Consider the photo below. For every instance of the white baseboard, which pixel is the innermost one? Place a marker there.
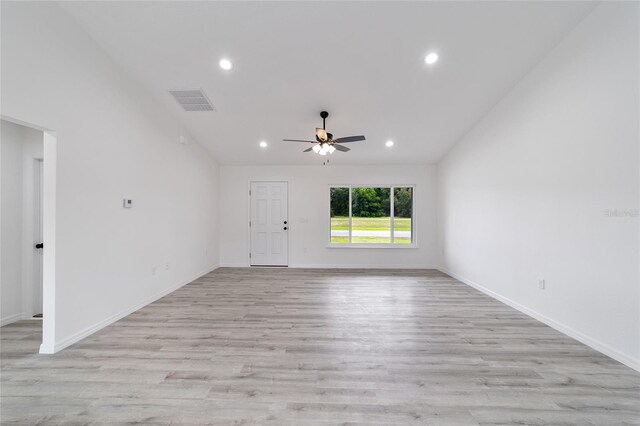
(68, 341)
(11, 319)
(589, 341)
(359, 266)
(337, 266)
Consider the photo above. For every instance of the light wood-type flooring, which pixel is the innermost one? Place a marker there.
(302, 346)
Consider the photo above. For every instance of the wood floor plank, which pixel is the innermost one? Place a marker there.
(317, 347)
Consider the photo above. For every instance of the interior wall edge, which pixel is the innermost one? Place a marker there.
(9, 319)
(525, 196)
(513, 87)
(334, 266)
(76, 337)
(134, 151)
(595, 344)
(360, 266)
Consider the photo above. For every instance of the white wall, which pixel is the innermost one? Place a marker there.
(113, 141)
(525, 194)
(309, 214)
(11, 222)
(19, 147)
(10, 218)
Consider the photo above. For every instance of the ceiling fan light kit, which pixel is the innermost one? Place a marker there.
(324, 143)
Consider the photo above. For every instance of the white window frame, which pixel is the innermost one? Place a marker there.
(350, 245)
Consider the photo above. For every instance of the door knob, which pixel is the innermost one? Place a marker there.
(285, 222)
(285, 228)
(40, 245)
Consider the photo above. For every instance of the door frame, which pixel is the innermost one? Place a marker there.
(38, 229)
(50, 149)
(32, 215)
(288, 182)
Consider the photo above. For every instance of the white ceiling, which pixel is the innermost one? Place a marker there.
(361, 61)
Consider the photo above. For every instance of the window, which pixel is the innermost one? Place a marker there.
(371, 215)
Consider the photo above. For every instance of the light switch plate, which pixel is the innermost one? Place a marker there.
(127, 203)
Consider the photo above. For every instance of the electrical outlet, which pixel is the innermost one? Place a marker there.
(166, 266)
(541, 283)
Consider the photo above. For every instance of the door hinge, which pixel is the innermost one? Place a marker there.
(249, 224)
(249, 255)
(249, 192)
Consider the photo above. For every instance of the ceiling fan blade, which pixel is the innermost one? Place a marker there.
(297, 140)
(321, 134)
(350, 139)
(308, 149)
(341, 148)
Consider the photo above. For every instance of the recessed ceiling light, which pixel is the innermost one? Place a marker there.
(389, 144)
(431, 58)
(225, 64)
(263, 144)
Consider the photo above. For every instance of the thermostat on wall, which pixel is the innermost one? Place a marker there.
(127, 203)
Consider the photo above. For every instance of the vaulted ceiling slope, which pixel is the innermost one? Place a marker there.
(361, 61)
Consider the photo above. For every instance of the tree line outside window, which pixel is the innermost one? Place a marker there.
(378, 215)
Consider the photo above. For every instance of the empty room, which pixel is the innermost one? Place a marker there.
(320, 212)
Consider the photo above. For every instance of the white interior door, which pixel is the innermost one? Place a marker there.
(269, 224)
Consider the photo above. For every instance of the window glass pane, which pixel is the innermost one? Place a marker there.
(340, 215)
(370, 209)
(402, 215)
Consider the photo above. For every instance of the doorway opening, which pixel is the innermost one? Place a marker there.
(268, 223)
(27, 195)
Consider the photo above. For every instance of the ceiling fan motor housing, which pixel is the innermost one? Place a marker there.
(324, 142)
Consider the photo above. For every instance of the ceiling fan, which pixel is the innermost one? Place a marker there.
(325, 143)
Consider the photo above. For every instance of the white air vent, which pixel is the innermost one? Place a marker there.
(192, 100)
